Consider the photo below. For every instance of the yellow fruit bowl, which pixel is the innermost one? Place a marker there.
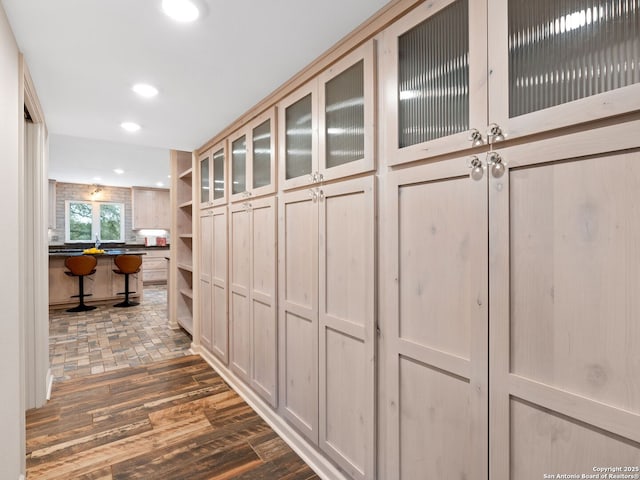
(93, 251)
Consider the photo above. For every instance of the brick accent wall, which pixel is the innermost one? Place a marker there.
(77, 191)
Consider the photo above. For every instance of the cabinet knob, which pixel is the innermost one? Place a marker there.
(494, 133)
(475, 164)
(497, 164)
(475, 137)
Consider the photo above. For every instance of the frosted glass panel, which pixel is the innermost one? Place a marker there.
(204, 180)
(262, 154)
(299, 138)
(564, 51)
(433, 77)
(239, 165)
(344, 114)
(218, 174)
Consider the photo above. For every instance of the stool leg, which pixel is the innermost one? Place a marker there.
(81, 307)
(126, 302)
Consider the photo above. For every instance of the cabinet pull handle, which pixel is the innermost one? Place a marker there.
(475, 164)
(497, 164)
(494, 133)
(475, 137)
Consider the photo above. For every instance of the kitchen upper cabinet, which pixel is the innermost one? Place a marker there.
(253, 287)
(327, 127)
(213, 176)
(434, 68)
(214, 325)
(327, 325)
(554, 64)
(150, 208)
(253, 153)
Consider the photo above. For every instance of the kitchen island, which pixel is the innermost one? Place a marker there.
(104, 285)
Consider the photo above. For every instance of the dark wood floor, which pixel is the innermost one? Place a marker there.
(174, 419)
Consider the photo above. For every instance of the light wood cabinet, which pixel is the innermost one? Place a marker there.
(213, 176)
(252, 288)
(327, 324)
(253, 158)
(150, 208)
(155, 267)
(327, 127)
(214, 325)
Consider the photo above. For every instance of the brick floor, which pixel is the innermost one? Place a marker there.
(107, 338)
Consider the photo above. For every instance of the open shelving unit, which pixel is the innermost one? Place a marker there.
(181, 290)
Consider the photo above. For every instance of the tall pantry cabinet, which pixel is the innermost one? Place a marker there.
(507, 315)
(442, 282)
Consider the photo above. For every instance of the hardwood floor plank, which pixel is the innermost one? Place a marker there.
(175, 419)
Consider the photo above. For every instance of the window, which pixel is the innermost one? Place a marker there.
(86, 220)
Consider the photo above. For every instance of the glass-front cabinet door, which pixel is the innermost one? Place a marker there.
(238, 154)
(346, 93)
(213, 175)
(434, 71)
(298, 143)
(204, 161)
(219, 173)
(253, 158)
(263, 154)
(555, 64)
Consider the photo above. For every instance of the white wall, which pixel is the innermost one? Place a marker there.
(12, 437)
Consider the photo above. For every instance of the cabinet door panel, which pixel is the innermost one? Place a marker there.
(434, 69)
(263, 154)
(298, 330)
(556, 64)
(220, 322)
(347, 324)
(437, 323)
(565, 239)
(219, 173)
(240, 308)
(205, 178)
(239, 170)
(206, 264)
(263, 298)
(298, 137)
(346, 92)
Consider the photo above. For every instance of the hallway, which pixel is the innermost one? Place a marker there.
(130, 402)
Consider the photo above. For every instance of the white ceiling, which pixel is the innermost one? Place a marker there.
(84, 56)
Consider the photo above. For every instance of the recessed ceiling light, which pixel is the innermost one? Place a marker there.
(181, 10)
(119, 171)
(130, 126)
(145, 90)
(160, 184)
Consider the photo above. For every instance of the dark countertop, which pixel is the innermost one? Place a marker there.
(108, 252)
(110, 249)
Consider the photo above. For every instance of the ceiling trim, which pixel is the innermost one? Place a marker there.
(371, 27)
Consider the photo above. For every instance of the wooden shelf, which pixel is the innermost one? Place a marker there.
(186, 235)
(185, 267)
(188, 204)
(186, 323)
(186, 174)
(187, 292)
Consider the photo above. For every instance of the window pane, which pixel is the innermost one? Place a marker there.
(433, 77)
(344, 113)
(262, 154)
(298, 138)
(239, 162)
(80, 221)
(218, 174)
(204, 180)
(564, 51)
(110, 222)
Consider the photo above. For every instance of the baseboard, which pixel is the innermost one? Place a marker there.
(311, 456)
(21, 477)
(49, 384)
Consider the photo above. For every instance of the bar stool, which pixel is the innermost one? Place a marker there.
(127, 265)
(80, 266)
